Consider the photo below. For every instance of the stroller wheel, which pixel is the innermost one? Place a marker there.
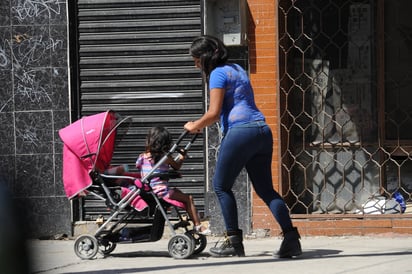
(86, 247)
(200, 241)
(181, 246)
(106, 247)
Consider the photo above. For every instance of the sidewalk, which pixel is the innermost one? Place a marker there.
(351, 254)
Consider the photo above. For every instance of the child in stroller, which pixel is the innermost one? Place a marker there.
(158, 143)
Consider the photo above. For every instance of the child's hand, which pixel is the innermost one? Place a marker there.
(182, 154)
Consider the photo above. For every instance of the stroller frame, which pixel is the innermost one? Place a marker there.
(106, 237)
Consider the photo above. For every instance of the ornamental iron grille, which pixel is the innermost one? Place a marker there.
(346, 105)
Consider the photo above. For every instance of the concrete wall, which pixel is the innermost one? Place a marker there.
(34, 105)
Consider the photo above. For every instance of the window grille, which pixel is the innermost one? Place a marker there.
(346, 105)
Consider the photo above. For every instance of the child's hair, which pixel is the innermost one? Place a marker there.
(211, 51)
(158, 142)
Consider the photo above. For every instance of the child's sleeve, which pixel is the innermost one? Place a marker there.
(139, 162)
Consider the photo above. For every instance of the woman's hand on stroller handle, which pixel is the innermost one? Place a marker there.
(190, 127)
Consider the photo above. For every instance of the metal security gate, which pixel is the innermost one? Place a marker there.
(345, 105)
(132, 57)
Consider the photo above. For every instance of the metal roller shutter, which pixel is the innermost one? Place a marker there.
(133, 58)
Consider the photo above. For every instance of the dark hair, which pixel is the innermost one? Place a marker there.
(158, 142)
(211, 51)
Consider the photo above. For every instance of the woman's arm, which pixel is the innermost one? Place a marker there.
(213, 113)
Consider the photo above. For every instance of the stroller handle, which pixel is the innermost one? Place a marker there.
(188, 145)
(173, 149)
(183, 135)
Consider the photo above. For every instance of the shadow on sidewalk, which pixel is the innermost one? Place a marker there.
(254, 259)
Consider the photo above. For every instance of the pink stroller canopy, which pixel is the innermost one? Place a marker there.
(88, 145)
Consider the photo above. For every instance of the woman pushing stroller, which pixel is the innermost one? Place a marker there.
(247, 143)
(158, 143)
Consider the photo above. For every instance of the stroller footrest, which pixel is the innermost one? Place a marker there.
(181, 224)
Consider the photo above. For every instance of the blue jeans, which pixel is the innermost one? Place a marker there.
(250, 146)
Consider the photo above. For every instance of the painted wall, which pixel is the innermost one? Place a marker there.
(34, 105)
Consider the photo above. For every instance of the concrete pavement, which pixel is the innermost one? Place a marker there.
(352, 254)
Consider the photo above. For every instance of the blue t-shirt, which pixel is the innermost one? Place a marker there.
(239, 103)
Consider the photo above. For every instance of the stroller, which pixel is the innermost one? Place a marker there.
(136, 213)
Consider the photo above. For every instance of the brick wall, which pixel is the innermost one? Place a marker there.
(262, 35)
(329, 226)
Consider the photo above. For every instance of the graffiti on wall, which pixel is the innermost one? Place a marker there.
(32, 8)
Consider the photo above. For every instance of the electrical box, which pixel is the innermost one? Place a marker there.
(226, 20)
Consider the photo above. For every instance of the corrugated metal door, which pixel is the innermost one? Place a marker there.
(132, 57)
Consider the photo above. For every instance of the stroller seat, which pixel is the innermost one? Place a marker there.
(127, 185)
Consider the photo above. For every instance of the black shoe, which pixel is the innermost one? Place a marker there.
(231, 246)
(290, 246)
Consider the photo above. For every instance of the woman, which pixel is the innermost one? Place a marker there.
(247, 142)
